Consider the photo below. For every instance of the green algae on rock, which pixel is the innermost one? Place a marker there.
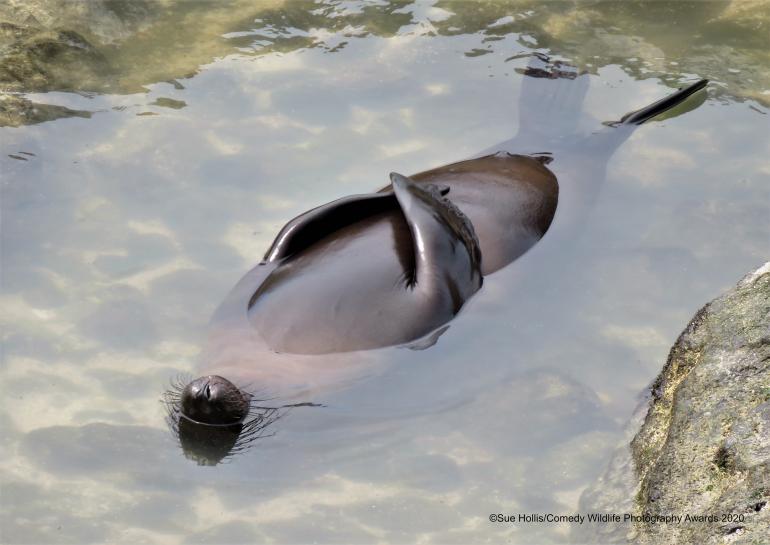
(16, 111)
(122, 47)
(704, 446)
(165, 102)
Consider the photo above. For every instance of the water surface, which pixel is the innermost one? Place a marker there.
(122, 232)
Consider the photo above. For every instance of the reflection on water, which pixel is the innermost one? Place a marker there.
(122, 233)
(123, 47)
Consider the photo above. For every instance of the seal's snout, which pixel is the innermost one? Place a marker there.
(214, 400)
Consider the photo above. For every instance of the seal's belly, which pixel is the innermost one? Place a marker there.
(351, 289)
(348, 291)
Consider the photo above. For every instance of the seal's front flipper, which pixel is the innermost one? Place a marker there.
(427, 341)
(323, 220)
(446, 250)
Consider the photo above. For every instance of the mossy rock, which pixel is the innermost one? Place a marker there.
(704, 445)
(16, 111)
(51, 60)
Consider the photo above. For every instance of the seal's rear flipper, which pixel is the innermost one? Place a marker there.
(446, 250)
(550, 106)
(604, 142)
(671, 101)
(551, 100)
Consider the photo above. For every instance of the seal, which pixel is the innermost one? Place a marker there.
(387, 268)
(393, 267)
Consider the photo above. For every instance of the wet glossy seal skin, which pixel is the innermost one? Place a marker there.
(388, 268)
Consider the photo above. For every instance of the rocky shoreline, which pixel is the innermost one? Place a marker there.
(103, 46)
(703, 450)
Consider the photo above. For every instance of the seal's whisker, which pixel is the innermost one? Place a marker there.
(208, 441)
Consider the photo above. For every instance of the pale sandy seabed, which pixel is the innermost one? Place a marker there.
(122, 232)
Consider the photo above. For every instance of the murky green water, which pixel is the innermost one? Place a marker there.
(211, 125)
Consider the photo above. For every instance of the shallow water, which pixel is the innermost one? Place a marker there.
(122, 232)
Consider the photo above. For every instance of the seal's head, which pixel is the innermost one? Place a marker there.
(214, 400)
(214, 419)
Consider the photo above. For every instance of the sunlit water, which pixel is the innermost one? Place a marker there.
(122, 233)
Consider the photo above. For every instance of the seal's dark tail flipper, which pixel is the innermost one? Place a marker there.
(663, 105)
(447, 258)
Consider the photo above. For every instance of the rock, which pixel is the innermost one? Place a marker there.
(45, 60)
(102, 22)
(37, 59)
(704, 446)
(16, 111)
(165, 102)
(108, 46)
